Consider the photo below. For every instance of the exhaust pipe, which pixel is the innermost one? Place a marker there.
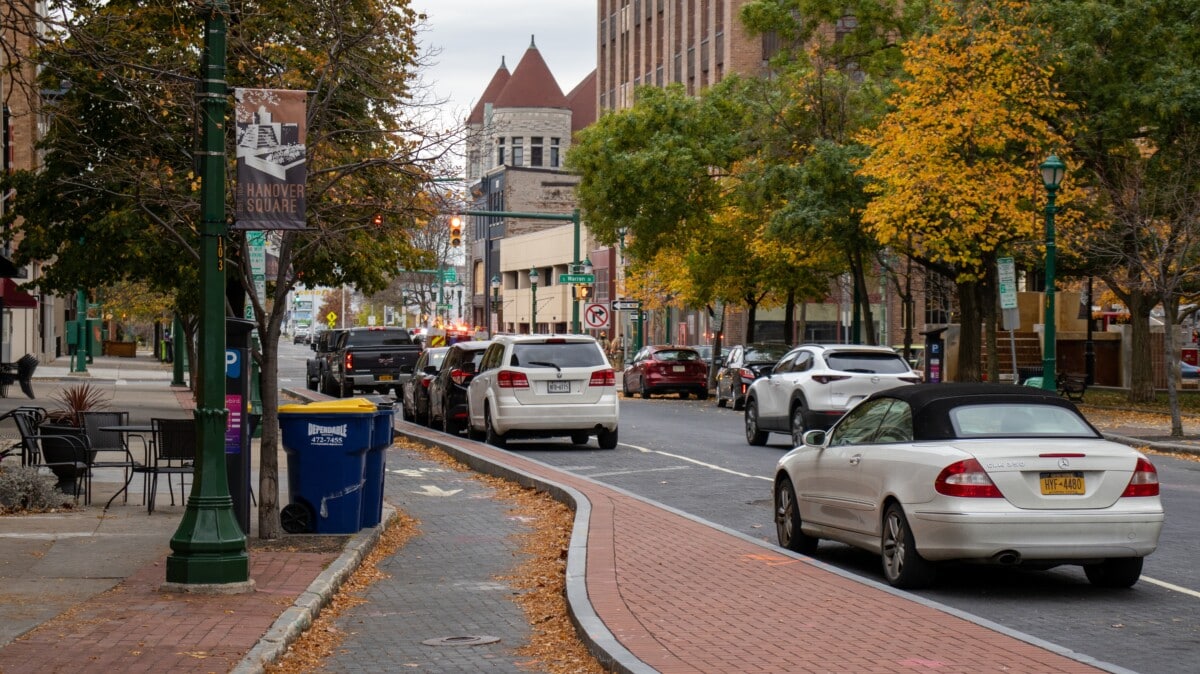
(1007, 558)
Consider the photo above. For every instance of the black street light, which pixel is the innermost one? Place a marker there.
(495, 293)
(1053, 171)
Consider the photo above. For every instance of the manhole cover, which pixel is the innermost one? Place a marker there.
(477, 640)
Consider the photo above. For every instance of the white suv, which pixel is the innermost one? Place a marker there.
(813, 385)
(537, 386)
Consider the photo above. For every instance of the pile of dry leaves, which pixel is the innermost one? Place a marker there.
(554, 645)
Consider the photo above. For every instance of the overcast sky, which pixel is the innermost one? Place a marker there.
(472, 35)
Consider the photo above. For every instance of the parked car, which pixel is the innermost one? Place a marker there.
(972, 472)
(302, 337)
(414, 392)
(744, 364)
(815, 384)
(1188, 371)
(706, 354)
(370, 359)
(666, 369)
(448, 390)
(544, 386)
(324, 347)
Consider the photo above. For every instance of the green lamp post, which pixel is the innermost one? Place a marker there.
(1053, 170)
(209, 547)
(533, 278)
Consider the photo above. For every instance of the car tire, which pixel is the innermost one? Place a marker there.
(493, 438)
(702, 395)
(754, 435)
(607, 439)
(405, 413)
(787, 520)
(449, 427)
(903, 566)
(579, 438)
(313, 384)
(796, 424)
(720, 400)
(1118, 572)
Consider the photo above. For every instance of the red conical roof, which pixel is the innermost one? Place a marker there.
(531, 85)
(582, 100)
(490, 93)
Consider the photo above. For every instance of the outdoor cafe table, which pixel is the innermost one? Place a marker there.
(130, 430)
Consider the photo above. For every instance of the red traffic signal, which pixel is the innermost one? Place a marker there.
(456, 231)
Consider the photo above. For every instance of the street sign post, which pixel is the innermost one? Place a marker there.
(576, 278)
(596, 316)
(626, 305)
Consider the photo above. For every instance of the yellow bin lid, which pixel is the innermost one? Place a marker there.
(341, 405)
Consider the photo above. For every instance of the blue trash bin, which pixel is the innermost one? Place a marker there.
(375, 467)
(326, 445)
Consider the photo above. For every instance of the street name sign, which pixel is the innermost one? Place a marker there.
(576, 278)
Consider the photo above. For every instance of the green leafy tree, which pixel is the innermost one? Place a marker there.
(118, 196)
(954, 164)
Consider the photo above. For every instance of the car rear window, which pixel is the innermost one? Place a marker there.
(867, 363)
(1018, 420)
(766, 354)
(677, 355)
(379, 338)
(562, 354)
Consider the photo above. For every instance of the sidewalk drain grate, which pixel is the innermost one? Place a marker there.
(477, 640)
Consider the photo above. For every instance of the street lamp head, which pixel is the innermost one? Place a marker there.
(1053, 170)
(533, 275)
(587, 265)
(495, 281)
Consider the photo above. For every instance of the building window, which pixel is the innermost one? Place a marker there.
(518, 151)
(535, 151)
(554, 163)
(500, 152)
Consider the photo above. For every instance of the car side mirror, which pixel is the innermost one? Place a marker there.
(431, 369)
(815, 438)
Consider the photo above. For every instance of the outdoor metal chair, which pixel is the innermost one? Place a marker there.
(65, 453)
(109, 443)
(172, 452)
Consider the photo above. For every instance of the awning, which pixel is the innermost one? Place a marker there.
(14, 297)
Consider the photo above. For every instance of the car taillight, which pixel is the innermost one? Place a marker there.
(425, 382)
(826, 378)
(459, 377)
(510, 379)
(1144, 481)
(966, 478)
(746, 373)
(349, 361)
(603, 378)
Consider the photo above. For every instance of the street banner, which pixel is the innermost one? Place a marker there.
(271, 170)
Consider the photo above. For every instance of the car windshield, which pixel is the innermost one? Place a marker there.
(866, 362)
(677, 355)
(560, 354)
(765, 354)
(1018, 420)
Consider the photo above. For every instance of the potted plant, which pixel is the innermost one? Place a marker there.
(65, 420)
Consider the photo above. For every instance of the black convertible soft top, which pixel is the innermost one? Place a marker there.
(931, 403)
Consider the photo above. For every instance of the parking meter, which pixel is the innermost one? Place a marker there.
(237, 429)
(935, 356)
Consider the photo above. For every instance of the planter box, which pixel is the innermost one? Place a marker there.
(122, 349)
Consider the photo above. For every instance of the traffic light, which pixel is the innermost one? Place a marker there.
(456, 234)
(582, 292)
(377, 220)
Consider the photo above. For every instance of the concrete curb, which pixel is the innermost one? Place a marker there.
(292, 623)
(1160, 446)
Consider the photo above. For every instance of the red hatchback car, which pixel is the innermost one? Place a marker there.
(666, 369)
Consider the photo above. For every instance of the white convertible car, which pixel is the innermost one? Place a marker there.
(986, 473)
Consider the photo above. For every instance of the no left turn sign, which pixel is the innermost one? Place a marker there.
(595, 315)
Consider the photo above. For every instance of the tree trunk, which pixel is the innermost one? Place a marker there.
(1171, 349)
(860, 284)
(268, 460)
(802, 325)
(751, 313)
(987, 292)
(1141, 376)
(789, 317)
(970, 321)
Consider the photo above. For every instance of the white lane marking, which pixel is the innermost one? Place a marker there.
(431, 490)
(646, 450)
(630, 472)
(1175, 588)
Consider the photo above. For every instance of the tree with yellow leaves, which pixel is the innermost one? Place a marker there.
(954, 164)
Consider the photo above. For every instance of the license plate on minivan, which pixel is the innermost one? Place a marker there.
(558, 387)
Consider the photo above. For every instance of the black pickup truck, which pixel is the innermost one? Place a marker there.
(369, 359)
(323, 346)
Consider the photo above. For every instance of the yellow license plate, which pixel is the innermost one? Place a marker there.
(1062, 484)
(385, 377)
